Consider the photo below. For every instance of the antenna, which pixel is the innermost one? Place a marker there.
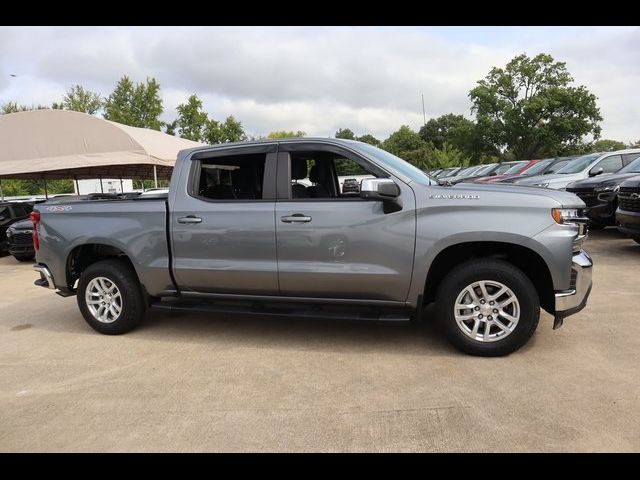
(424, 115)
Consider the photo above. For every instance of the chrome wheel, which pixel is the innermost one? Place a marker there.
(103, 300)
(487, 311)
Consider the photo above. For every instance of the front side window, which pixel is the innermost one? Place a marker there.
(609, 165)
(233, 177)
(326, 175)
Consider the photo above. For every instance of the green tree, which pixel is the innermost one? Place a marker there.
(402, 140)
(14, 107)
(137, 105)
(530, 108)
(192, 120)
(80, 100)
(606, 145)
(345, 133)
(286, 134)
(448, 156)
(409, 145)
(222, 132)
(448, 128)
(370, 139)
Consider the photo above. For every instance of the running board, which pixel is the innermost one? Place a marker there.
(279, 311)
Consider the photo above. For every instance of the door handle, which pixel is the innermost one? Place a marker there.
(296, 218)
(189, 219)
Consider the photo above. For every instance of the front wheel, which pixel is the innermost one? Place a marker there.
(24, 257)
(637, 240)
(110, 298)
(487, 307)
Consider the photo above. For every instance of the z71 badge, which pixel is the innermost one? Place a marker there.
(454, 197)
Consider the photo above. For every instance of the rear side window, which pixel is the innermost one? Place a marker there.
(234, 177)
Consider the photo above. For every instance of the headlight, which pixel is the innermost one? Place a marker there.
(544, 185)
(565, 216)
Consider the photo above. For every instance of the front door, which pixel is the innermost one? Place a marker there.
(223, 228)
(330, 242)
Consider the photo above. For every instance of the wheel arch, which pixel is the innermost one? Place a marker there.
(526, 259)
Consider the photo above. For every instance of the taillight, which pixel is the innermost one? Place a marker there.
(35, 219)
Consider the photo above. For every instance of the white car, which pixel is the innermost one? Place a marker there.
(583, 167)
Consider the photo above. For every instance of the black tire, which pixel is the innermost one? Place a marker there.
(597, 226)
(496, 270)
(124, 277)
(24, 258)
(637, 240)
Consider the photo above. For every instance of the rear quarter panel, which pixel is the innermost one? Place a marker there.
(136, 227)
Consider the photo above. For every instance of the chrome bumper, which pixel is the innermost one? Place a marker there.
(46, 279)
(573, 300)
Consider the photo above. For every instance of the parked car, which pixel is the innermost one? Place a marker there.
(495, 170)
(586, 166)
(489, 257)
(546, 166)
(516, 169)
(600, 194)
(448, 172)
(464, 173)
(350, 185)
(10, 213)
(19, 238)
(628, 213)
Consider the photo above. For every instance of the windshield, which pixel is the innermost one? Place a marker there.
(633, 167)
(486, 169)
(538, 167)
(514, 168)
(578, 164)
(402, 166)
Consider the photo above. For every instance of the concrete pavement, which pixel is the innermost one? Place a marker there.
(200, 382)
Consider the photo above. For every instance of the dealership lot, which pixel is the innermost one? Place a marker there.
(197, 382)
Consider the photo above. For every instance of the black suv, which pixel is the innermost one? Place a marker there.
(10, 213)
(350, 185)
(600, 193)
(628, 213)
(20, 238)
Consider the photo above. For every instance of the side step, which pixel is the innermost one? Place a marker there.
(313, 311)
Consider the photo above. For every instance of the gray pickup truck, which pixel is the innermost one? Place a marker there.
(264, 227)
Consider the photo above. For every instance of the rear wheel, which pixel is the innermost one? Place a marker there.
(110, 298)
(487, 307)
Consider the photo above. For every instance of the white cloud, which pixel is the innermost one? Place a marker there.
(317, 79)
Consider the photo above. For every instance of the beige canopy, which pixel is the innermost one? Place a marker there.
(55, 144)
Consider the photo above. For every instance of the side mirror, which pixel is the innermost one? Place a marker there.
(596, 171)
(382, 189)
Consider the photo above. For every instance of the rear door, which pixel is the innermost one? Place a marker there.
(334, 244)
(222, 224)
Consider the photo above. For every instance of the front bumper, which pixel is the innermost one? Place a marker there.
(628, 222)
(573, 300)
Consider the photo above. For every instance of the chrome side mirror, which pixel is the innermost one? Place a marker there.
(596, 171)
(382, 189)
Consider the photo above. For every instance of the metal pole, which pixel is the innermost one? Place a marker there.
(46, 192)
(424, 115)
(1, 191)
(121, 186)
(77, 186)
(155, 176)
(101, 188)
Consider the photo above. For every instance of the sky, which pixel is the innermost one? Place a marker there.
(318, 79)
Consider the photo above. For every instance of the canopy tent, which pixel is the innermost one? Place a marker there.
(61, 144)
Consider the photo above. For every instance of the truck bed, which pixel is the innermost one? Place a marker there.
(136, 227)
